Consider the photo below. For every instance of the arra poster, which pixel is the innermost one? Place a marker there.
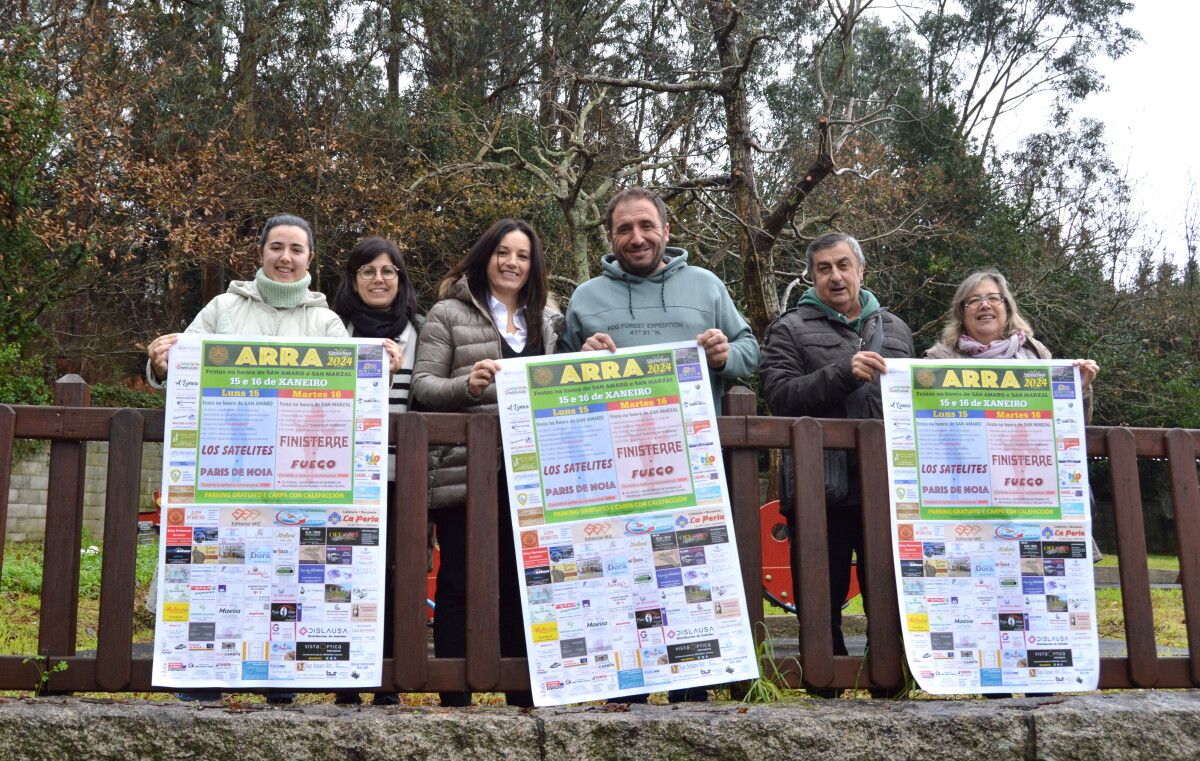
(630, 577)
(991, 527)
(271, 567)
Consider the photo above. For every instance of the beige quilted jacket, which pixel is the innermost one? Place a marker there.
(458, 333)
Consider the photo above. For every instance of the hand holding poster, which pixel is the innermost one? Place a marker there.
(271, 556)
(630, 580)
(991, 529)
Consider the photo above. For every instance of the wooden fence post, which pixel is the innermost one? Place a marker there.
(64, 527)
(741, 471)
(741, 476)
(410, 665)
(1185, 492)
(1131, 548)
(8, 429)
(884, 636)
(810, 553)
(114, 665)
(483, 560)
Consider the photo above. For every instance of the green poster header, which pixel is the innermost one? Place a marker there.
(956, 387)
(631, 380)
(974, 378)
(578, 372)
(328, 366)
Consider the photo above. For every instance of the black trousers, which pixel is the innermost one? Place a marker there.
(845, 538)
(389, 573)
(450, 615)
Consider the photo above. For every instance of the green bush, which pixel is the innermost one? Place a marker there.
(22, 381)
(114, 395)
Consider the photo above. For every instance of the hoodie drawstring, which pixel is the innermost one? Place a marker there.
(662, 293)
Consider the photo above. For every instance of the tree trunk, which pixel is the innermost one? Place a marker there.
(245, 77)
(754, 246)
(580, 267)
(395, 47)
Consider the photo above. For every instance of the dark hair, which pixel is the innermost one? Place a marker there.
(346, 300)
(286, 220)
(634, 194)
(474, 265)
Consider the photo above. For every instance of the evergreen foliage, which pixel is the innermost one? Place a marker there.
(141, 145)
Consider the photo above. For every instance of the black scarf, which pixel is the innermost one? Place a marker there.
(376, 323)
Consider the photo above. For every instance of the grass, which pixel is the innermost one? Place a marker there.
(853, 608)
(21, 589)
(1160, 562)
(1170, 627)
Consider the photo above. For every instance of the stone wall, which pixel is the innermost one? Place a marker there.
(30, 480)
(1110, 727)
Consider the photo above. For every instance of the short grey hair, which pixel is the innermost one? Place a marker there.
(829, 240)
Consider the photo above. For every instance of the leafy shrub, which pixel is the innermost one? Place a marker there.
(136, 393)
(22, 381)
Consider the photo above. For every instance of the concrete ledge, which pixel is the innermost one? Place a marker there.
(1129, 725)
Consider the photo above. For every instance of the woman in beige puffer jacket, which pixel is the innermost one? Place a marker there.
(458, 333)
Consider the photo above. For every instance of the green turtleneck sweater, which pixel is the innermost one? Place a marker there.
(282, 295)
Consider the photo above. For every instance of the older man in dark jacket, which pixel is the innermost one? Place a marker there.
(822, 359)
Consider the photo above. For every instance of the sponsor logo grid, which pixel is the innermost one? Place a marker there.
(994, 558)
(271, 590)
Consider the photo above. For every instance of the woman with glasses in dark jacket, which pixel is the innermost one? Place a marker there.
(376, 300)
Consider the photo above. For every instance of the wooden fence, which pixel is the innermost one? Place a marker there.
(72, 423)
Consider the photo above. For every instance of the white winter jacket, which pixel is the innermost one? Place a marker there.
(241, 310)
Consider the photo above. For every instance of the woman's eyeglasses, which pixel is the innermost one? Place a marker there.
(368, 272)
(994, 299)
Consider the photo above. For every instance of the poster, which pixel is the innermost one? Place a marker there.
(271, 566)
(991, 526)
(630, 580)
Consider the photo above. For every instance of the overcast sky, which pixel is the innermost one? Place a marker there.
(1150, 110)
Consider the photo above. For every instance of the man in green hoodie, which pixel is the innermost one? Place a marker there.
(823, 359)
(647, 294)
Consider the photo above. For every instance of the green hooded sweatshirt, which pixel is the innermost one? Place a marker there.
(676, 303)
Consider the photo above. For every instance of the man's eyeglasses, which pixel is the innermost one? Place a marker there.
(994, 299)
(387, 272)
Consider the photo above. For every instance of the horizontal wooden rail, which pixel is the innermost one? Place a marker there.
(71, 424)
(94, 423)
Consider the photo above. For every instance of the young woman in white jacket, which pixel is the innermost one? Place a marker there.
(277, 302)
